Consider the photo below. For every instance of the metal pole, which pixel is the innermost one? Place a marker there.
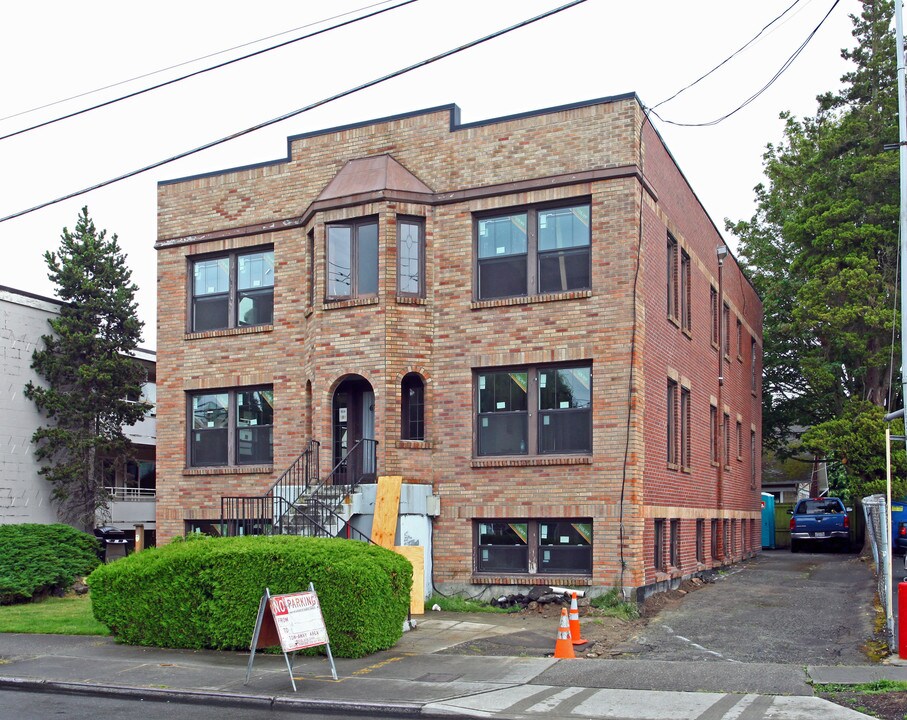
(889, 585)
(902, 153)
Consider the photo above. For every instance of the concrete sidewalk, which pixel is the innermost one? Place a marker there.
(416, 677)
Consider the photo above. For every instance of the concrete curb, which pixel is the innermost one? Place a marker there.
(274, 702)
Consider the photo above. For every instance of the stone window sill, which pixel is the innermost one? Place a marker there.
(229, 470)
(534, 460)
(414, 444)
(410, 300)
(527, 579)
(227, 332)
(351, 302)
(530, 299)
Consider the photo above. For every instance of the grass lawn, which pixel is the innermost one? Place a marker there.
(54, 616)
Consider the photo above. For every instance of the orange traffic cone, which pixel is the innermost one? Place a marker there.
(575, 636)
(563, 648)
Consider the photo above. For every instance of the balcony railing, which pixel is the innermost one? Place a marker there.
(131, 494)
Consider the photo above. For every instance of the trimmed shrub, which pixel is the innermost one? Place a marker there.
(204, 592)
(38, 559)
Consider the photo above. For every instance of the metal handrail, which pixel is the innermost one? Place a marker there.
(293, 502)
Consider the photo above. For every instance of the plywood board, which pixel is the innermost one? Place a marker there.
(387, 508)
(416, 555)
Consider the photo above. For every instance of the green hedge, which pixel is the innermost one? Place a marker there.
(204, 592)
(36, 559)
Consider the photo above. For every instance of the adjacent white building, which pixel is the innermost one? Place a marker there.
(24, 494)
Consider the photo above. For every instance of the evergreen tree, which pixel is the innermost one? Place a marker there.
(87, 371)
(822, 251)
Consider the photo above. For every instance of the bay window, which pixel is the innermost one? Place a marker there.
(352, 259)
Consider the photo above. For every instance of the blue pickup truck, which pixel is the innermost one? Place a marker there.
(819, 521)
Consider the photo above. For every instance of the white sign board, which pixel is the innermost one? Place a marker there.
(298, 620)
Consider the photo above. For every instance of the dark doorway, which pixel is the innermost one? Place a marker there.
(353, 431)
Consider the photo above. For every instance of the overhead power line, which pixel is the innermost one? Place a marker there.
(300, 111)
(729, 57)
(186, 62)
(207, 69)
(787, 63)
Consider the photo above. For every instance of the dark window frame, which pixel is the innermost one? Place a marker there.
(714, 444)
(419, 222)
(726, 439)
(739, 340)
(686, 428)
(412, 407)
(674, 543)
(713, 300)
(310, 267)
(232, 293)
(726, 327)
(673, 292)
(355, 227)
(753, 362)
(715, 528)
(671, 430)
(533, 255)
(534, 414)
(700, 540)
(686, 292)
(658, 555)
(535, 547)
(231, 428)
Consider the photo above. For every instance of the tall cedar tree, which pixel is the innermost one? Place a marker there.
(822, 251)
(87, 371)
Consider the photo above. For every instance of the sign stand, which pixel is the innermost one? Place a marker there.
(292, 621)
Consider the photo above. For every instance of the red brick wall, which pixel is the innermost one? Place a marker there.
(692, 360)
(447, 335)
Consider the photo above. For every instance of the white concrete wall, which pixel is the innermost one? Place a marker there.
(24, 495)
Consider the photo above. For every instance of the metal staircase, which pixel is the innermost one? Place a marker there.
(298, 503)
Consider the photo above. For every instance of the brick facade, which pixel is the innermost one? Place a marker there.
(600, 152)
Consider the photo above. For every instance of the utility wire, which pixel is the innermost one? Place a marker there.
(729, 57)
(204, 70)
(300, 111)
(186, 62)
(751, 98)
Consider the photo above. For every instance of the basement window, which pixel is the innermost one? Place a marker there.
(549, 546)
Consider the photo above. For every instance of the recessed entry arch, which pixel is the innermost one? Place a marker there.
(353, 430)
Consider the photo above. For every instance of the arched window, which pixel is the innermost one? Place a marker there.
(412, 406)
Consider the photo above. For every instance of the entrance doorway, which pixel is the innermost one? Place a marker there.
(353, 431)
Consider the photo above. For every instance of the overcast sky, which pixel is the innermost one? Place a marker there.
(54, 49)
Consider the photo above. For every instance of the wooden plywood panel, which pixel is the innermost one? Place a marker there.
(416, 555)
(387, 508)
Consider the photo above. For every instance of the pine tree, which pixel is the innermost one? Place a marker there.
(822, 252)
(87, 371)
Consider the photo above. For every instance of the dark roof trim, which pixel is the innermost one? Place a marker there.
(455, 125)
(33, 296)
(441, 198)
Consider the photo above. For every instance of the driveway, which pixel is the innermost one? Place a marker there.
(779, 607)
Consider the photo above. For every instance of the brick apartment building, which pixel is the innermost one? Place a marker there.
(525, 313)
